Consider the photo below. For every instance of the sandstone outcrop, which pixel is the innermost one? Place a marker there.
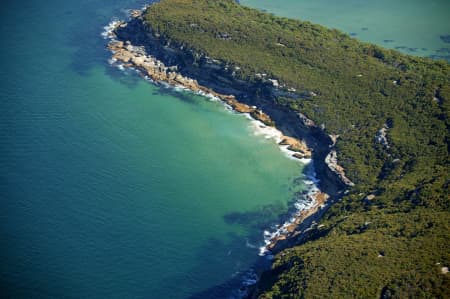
(298, 146)
(291, 230)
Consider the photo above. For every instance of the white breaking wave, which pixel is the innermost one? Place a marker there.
(268, 132)
(304, 203)
(108, 32)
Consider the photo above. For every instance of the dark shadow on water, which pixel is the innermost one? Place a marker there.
(265, 217)
(185, 96)
(255, 221)
(270, 215)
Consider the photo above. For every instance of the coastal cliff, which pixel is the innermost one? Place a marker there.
(376, 123)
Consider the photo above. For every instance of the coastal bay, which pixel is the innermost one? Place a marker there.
(114, 187)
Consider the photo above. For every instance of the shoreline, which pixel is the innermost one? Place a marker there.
(125, 55)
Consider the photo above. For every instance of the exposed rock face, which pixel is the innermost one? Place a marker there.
(306, 121)
(135, 13)
(303, 151)
(292, 230)
(334, 139)
(381, 137)
(261, 116)
(370, 197)
(331, 161)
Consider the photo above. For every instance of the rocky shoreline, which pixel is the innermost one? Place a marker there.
(130, 51)
(135, 57)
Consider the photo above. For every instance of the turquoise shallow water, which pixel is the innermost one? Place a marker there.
(411, 26)
(114, 188)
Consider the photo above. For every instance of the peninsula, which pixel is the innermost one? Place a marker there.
(374, 121)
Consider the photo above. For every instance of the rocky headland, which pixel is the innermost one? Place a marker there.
(134, 45)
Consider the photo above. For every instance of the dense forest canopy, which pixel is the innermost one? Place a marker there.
(391, 112)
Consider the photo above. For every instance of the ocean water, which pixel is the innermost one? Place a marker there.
(412, 26)
(112, 187)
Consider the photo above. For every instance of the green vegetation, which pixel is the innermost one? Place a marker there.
(352, 89)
